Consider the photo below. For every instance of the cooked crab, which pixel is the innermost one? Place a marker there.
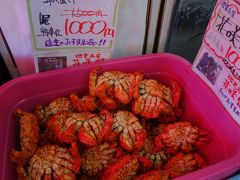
(123, 169)
(113, 86)
(88, 127)
(29, 136)
(150, 157)
(56, 105)
(180, 136)
(153, 175)
(156, 99)
(151, 99)
(130, 132)
(181, 164)
(98, 158)
(53, 162)
(84, 104)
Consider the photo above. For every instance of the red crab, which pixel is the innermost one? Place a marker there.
(153, 175)
(56, 105)
(54, 162)
(113, 86)
(150, 156)
(155, 98)
(85, 104)
(29, 136)
(98, 158)
(123, 169)
(173, 112)
(88, 127)
(182, 164)
(130, 132)
(180, 136)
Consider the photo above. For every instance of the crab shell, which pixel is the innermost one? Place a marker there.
(85, 104)
(125, 168)
(127, 126)
(113, 86)
(89, 128)
(153, 175)
(153, 99)
(55, 106)
(181, 164)
(180, 136)
(150, 157)
(98, 158)
(94, 130)
(53, 161)
(158, 100)
(29, 136)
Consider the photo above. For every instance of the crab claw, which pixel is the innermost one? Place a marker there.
(145, 162)
(203, 138)
(74, 149)
(130, 140)
(121, 95)
(108, 103)
(55, 124)
(135, 89)
(125, 168)
(126, 142)
(95, 128)
(107, 125)
(85, 104)
(138, 105)
(92, 80)
(176, 91)
(86, 138)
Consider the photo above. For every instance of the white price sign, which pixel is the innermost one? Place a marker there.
(65, 24)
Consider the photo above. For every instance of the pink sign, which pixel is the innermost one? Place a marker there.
(218, 61)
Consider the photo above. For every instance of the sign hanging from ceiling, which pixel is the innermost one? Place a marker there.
(65, 24)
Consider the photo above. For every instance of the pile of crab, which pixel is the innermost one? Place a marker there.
(126, 127)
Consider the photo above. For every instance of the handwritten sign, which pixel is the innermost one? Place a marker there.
(65, 24)
(218, 61)
(46, 62)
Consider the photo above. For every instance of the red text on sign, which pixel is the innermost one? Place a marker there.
(88, 27)
(233, 57)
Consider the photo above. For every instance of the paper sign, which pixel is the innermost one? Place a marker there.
(65, 24)
(46, 62)
(218, 61)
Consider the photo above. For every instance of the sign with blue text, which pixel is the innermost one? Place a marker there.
(64, 24)
(71, 32)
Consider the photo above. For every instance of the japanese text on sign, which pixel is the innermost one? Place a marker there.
(218, 61)
(72, 23)
(65, 59)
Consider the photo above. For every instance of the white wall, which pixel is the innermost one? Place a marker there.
(14, 24)
(130, 28)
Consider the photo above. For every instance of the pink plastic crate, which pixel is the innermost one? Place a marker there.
(199, 103)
